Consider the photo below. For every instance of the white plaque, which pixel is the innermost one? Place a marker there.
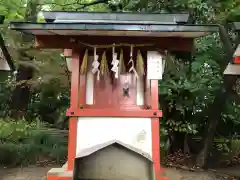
(154, 65)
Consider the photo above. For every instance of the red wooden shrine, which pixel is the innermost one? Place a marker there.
(120, 104)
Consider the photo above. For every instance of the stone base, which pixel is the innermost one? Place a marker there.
(60, 173)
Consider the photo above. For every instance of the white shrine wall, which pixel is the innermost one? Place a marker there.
(136, 132)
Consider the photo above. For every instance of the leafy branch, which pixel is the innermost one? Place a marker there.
(81, 5)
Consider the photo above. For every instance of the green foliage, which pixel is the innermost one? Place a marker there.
(5, 94)
(164, 143)
(48, 102)
(232, 113)
(188, 88)
(182, 127)
(15, 131)
(30, 143)
(12, 9)
(235, 147)
(75, 5)
(223, 145)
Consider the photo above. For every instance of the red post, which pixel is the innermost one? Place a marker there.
(74, 104)
(155, 129)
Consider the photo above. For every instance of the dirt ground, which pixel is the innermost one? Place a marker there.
(39, 173)
(175, 174)
(26, 173)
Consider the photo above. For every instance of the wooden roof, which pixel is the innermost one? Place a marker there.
(115, 24)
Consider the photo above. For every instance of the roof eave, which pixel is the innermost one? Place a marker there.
(30, 27)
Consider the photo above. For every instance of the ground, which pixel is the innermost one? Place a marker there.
(39, 173)
(175, 174)
(26, 173)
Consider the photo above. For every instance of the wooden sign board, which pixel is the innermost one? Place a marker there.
(154, 65)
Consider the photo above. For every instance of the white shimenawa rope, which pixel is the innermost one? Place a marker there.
(95, 63)
(132, 69)
(115, 62)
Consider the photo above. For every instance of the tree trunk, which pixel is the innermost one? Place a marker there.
(218, 105)
(21, 93)
(214, 117)
(186, 148)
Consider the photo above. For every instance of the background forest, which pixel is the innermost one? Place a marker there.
(201, 106)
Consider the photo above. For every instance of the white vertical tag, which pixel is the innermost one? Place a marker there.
(154, 65)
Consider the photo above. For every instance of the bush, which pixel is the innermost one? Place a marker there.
(29, 143)
(48, 101)
(235, 148)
